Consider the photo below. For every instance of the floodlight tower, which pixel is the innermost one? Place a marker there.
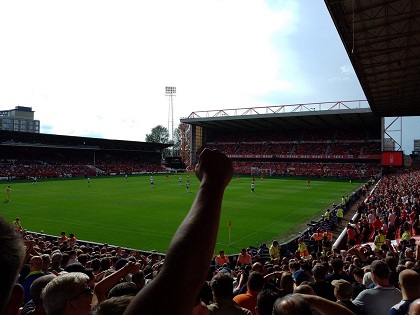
(171, 92)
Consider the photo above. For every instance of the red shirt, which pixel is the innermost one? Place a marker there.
(350, 234)
(377, 224)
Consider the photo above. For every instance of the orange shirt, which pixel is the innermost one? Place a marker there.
(328, 234)
(318, 236)
(246, 260)
(63, 238)
(220, 261)
(247, 300)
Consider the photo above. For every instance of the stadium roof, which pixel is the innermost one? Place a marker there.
(288, 117)
(17, 138)
(382, 40)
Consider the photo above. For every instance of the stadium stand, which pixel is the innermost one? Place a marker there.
(395, 198)
(26, 155)
(394, 194)
(317, 152)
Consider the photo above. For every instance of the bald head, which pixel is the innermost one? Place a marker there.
(36, 263)
(257, 267)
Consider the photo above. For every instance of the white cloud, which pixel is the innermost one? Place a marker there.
(99, 68)
(95, 67)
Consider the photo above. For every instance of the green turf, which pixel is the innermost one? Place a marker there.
(132, 214)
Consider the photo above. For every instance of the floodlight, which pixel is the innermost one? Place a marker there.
(170, 90)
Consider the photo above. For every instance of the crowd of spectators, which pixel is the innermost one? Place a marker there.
(16, 169)
(335, 141)
(378, 278)
(247, 147)
(316, 153)
(308, 169)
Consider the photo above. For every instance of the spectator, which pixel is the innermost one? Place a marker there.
(337, 265)
(357, 286)
(46, 263)
(11, 257)
(68, 294)
(35, 267)
(410, 288)
(56, 262)
(343, 292)
(383, 296)
(265, 302)
(255, 285)
(321, 287)
(351, 235)
(35, 305)
(244, 259)
(286, 283)
(113, 306)
(222, 288)
(63, 237)
(298, 275)
(263, 253)
(221, 259)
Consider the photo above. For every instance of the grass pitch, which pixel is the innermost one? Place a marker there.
(130, 213)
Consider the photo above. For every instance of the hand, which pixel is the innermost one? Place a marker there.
(214, 166)
(132, 267)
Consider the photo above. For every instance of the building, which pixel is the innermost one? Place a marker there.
(19, 119)
(389, 144)
(415, 155)
(417, 146)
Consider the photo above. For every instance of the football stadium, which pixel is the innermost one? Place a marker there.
(279, 152)
(315, 193)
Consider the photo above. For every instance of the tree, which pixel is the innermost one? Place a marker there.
(159, 134)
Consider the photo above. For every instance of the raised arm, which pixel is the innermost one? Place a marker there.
(174, 290)
(102, 287)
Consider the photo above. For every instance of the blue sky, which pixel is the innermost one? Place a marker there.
(99, 68)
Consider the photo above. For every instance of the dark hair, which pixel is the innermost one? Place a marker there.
(337, 264)
(256, 281)
(222, 285)
(265, 302)
(123, 288)
(319, 271)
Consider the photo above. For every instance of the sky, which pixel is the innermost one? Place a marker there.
(99, 68)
